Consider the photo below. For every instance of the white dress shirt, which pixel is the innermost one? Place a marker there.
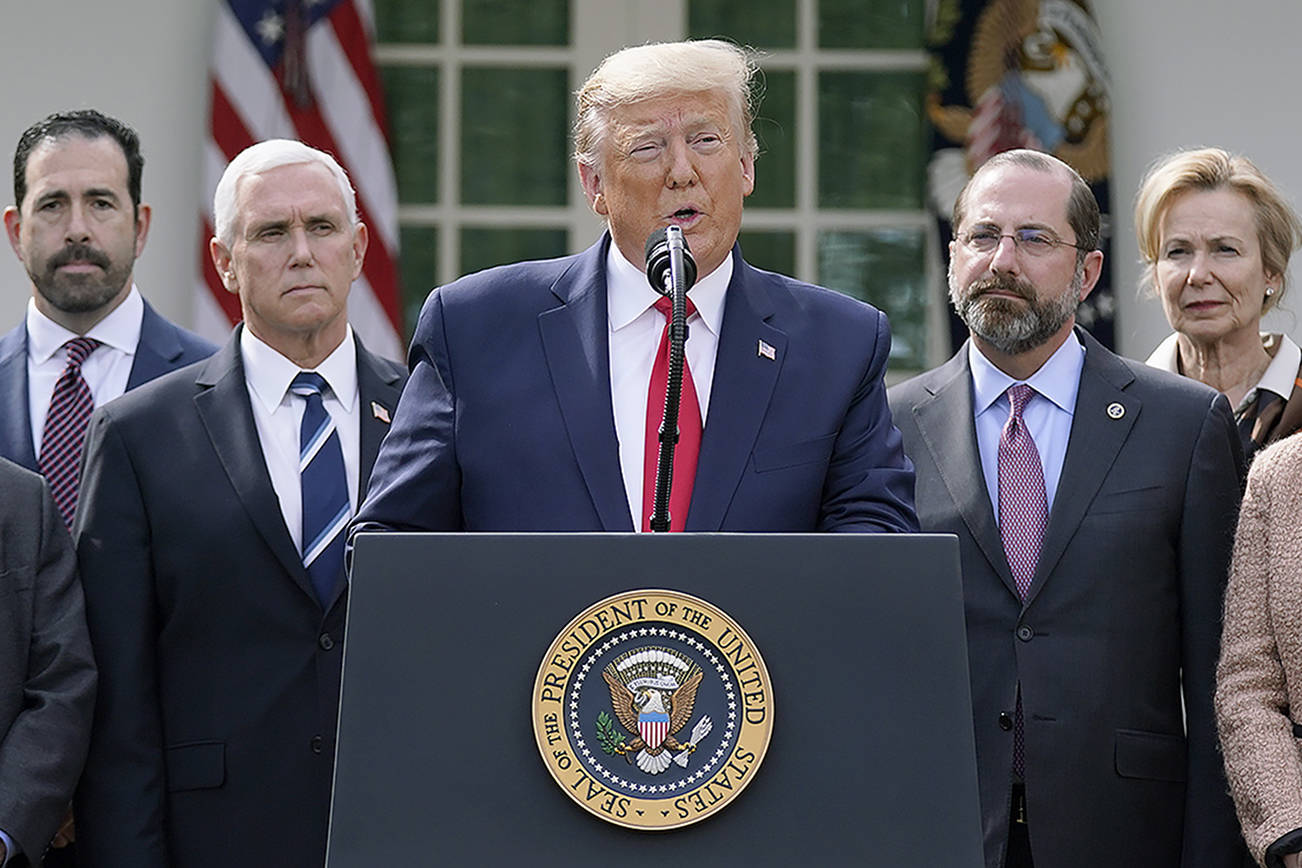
(635, 330)
(105, 371)
(1047, 415)
(278, 415)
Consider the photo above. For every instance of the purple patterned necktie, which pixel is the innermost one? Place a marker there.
(1023, 516)
(65, 429)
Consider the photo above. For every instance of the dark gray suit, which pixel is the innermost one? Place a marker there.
(1126, 601)
(163, 347)
(47, 676)
(214, 733)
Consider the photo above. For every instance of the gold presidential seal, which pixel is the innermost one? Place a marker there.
(652, 709)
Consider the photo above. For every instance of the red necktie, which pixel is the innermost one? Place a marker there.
(65, 429)
(689, 432)
(1023, 516)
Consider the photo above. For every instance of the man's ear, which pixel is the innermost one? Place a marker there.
(221, 260)
(143, 215)
(13, 227)
(591, 180)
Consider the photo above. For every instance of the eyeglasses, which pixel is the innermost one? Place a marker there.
(1033, 242)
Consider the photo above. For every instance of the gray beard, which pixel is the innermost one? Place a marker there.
(1012, 328)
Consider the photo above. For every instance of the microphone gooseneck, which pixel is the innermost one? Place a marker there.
(671, 270)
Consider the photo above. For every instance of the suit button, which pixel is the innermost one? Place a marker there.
(317, 744)
(1005, 721)
(326, 642)
(1025, 633)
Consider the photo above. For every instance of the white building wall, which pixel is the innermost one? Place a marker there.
(1185, 72)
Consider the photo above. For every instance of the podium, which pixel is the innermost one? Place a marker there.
(871, 759)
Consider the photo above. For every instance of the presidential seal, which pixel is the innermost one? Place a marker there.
(652, 709)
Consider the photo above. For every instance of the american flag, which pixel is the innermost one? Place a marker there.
(302, 69)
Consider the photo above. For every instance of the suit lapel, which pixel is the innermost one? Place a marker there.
(576, 344)
(15, 420)
(945, 421)
(378, 388)
(223, 406)
(740, 394)
(1095, 441)
(157, 350)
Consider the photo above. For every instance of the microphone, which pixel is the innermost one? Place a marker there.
(660, 246)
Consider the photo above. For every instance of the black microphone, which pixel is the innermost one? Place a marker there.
(658, 258)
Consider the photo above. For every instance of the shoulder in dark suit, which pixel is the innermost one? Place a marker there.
(508, 423)
(47, 676)
(1116, 645)
(214, 734)
(164, 346)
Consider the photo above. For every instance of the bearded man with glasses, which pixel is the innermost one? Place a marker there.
(1094, 501)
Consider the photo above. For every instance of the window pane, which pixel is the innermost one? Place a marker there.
(870, 23)
(514, 136)
(775, 127)
(759, 23)
(484, 248)
(407, 20)
(418, 268)
(771, 251)
(515, 22)
(872, 147)
(411, 94)
(887, 268)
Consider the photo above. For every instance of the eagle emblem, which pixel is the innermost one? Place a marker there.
(652, 691)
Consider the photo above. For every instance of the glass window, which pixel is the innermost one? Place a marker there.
(420, 247)
(515, 22)
(412, 94)
(514, 136)
(870, 24)
(759, 23)
(771, 251)
(483, 248)
(407, 21)
(872, 149)
(886, 268)
(775, 128)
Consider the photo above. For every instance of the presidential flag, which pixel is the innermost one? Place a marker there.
(1019, 74)
(302, 69)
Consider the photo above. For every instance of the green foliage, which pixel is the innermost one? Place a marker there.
(608, 735)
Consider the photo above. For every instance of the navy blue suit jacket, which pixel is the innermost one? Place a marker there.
(163, 347)
(507, 422)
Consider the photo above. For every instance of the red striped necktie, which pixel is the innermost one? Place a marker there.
(65, 429)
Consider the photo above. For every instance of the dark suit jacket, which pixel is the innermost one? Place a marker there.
(47, 676)
(508, 424)
(163, 347)
(1126, 601)
(214, 733)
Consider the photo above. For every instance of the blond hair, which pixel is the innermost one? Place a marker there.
(1279, 231)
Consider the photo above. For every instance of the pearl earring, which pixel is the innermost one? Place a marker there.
(1270, 290)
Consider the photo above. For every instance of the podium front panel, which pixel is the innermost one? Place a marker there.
(871, 760)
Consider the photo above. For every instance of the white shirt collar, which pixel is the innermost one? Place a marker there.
(269, 373)
(1058, 379)
(1279, 375)
(119, 330)
(629, 294)
(1283, 367)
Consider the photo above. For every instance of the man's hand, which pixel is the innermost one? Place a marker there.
(67, 833)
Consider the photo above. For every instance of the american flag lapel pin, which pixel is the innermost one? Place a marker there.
(766, 350)
(380, 412)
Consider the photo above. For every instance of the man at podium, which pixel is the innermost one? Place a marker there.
(535, 397)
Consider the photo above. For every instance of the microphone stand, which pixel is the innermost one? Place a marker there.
(676, 284)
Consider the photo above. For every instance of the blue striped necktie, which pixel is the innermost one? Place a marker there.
(325, 490)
